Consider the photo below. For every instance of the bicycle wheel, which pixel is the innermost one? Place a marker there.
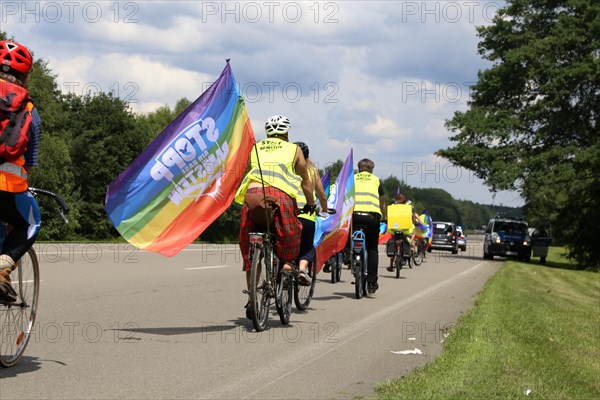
(398, 264)
(260, 274)
(358, 276)
(17, 319)
(333, 269)
(416, 256)
(339, 264)
(303, 294)
(283, 296)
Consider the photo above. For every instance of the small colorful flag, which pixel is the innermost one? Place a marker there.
(188, 175)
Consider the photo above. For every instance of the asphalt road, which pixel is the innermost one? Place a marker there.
(117, 323)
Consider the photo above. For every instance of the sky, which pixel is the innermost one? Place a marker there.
(378, 77)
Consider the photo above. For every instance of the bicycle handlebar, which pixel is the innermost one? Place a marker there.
(330, 211)
(64, 208)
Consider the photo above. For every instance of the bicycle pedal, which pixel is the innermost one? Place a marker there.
(245, 291)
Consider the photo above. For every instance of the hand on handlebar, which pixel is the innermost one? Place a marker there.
(325, 214)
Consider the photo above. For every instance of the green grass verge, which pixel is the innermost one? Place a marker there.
(534, 329)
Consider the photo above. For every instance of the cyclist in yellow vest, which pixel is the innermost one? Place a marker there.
(279, 167)
(369, 210)
(407, 217)
(18, 207)
(307, 253)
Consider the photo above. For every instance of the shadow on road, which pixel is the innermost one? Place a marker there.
(25, 365)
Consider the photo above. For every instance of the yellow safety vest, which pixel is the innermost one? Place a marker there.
(277, 165)
(301, 199)
(366, 193)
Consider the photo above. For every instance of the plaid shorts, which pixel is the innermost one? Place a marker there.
(288, 228)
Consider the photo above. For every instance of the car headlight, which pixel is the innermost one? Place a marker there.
(496, 238)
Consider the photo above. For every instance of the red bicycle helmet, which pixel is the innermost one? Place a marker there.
(14, 56)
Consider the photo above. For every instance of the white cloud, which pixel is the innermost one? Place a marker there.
(380, 77)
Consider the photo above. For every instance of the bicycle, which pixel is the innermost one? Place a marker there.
(303, 294)
(418, 252)
(17, 318)
(358, 262)
(269, 281)
(335, 264)
(400, 243)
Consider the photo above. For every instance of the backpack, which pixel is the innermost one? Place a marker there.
(15, 118)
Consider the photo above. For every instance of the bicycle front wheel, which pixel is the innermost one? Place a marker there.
(416, 256)
(303, 294)
(260, 273)
(398, 264)
(17, 319)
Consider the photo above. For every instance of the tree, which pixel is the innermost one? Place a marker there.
(532, 120)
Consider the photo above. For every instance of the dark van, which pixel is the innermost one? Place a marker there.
(444, 237)
(507, 237)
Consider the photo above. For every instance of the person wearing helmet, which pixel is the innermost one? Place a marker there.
(369, 210)
(18, 207)
(307, 249)
(277, 169)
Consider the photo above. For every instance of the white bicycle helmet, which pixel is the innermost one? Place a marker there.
(277, 125)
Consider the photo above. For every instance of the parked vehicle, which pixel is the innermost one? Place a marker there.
(444, 237)
(507, 237)
(461, 239)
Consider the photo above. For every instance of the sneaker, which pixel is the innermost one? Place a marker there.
(326, 268)
(7, 292)
(390, 268)
(372, 287)
(303, 278)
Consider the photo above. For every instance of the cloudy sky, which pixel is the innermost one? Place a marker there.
(380, 77)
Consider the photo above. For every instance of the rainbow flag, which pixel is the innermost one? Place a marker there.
(188, 175)
(326, 182)
(331, 233)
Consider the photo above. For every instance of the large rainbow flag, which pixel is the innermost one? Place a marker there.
(331, 233)
(188, 175)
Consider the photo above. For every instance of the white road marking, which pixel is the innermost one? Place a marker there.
(208, 267)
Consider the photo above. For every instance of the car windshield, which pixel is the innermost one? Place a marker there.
(442, 229)
(510, 227)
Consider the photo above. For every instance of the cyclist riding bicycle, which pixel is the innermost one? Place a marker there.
(369, 210)
(402, 218)
(279, 167)
(18, 207)
(307, 254)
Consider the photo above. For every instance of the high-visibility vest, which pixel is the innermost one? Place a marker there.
(366, 196)
(301, 199)
(276, 158)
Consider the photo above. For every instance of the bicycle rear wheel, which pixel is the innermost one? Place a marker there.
(260, 275)
(17, 319)
(398, 264)
(283, 296)
(303, 294)
(332, 262)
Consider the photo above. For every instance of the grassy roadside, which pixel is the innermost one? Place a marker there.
(534, 333)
